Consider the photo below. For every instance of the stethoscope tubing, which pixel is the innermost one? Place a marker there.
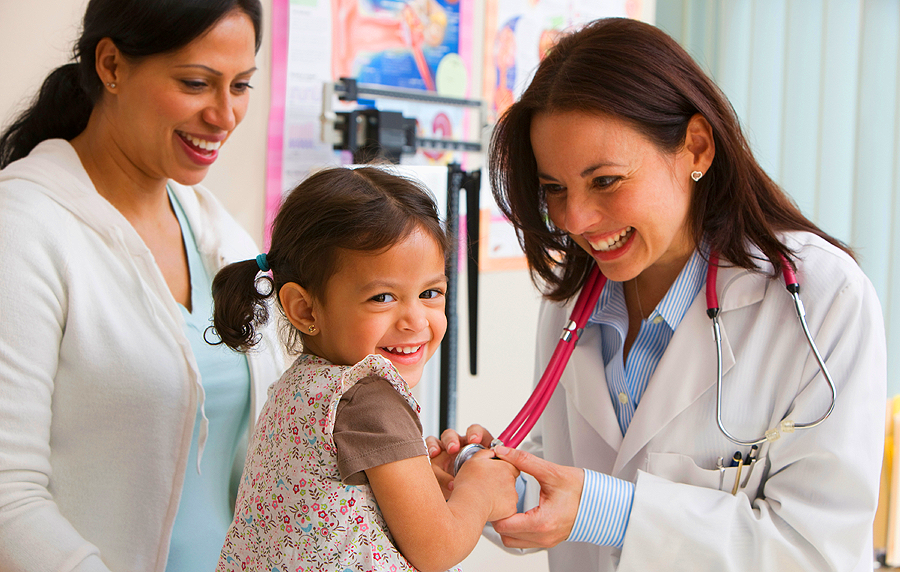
(527, 417)
(793, 287)
(531, 411)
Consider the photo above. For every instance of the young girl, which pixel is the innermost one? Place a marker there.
(337, 475)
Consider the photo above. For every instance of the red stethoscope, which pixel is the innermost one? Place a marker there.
(584, 306)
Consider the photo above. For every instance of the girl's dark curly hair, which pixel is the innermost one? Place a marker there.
(367, 209)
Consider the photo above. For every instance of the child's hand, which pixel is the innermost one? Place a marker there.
(443, 452)
(441, 462)
(451, 441)
(496, 478)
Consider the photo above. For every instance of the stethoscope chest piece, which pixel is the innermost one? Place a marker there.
(464, 455)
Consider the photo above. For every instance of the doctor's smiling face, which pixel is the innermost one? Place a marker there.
(614, 192)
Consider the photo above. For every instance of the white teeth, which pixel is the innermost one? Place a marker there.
(203, 143)
(612, 242)
(406, 350)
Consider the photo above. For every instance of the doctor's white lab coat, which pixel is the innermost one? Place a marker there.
(809, 502)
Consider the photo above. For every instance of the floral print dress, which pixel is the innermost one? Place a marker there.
(293, 513)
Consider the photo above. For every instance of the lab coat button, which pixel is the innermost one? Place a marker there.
(623, 398)
(658, 320)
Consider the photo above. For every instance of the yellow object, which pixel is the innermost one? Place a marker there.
(886, 525)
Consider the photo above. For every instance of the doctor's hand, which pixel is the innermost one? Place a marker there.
(550, 522)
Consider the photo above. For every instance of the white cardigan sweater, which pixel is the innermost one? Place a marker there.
(99, 387)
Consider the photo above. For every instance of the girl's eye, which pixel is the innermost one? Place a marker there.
(242, 87)
(382, 298)
(431, 294)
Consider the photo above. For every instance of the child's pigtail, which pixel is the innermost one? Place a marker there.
(240, 304)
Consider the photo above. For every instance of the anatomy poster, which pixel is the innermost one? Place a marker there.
(423, 45)
(396, 43)
(519, 32)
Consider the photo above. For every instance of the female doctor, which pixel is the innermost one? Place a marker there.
(623, 153)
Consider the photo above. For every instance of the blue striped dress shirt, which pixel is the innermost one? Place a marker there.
(606, 501)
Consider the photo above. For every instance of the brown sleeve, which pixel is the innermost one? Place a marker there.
(374, 425)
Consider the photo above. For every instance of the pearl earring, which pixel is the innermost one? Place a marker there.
(111, 85)
(696, 175)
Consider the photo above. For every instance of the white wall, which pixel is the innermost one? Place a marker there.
(34, 39)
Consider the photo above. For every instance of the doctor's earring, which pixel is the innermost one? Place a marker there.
(111, 85)
(312, 328)
(696, 175)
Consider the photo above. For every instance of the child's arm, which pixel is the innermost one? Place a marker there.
(434, 534)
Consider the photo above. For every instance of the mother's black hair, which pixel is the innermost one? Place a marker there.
(139, 28)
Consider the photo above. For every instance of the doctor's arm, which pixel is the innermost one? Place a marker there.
(575, 505)
(816, 505)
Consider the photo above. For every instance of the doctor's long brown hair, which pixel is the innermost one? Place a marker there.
(635, 72)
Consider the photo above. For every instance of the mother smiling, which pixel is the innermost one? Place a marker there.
(110, 400)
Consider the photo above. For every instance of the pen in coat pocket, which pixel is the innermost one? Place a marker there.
(751, 461)
(720, 464)
(736, 461)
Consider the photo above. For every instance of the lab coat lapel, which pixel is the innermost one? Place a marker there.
(688, 367)
(584, 381)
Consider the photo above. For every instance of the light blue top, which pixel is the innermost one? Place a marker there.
(206, 508)
(606, 501)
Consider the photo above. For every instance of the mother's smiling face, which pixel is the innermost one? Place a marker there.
(169, 113)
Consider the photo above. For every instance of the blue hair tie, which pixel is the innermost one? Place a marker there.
(262, 262)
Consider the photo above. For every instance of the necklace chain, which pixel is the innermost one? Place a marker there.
(638, 294)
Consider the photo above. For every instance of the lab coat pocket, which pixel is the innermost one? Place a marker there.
(682, 469)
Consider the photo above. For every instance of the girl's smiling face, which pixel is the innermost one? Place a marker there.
(389, 303)
(614, 192)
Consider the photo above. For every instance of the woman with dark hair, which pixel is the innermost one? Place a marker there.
(654, 452)
(123, 431)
